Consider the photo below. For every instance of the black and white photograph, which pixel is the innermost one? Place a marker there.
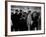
(25, 18)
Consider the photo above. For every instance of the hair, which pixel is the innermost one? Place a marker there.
(20, 10)
(29, 11)
(16, 10)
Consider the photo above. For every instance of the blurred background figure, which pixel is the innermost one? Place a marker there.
(24, 17)
(29, 19)
(35, 17)
(12, 15)
(14, 19)
(22, 21)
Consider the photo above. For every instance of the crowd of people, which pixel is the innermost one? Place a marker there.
(21, 21)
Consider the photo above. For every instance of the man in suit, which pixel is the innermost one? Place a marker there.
(20, 20)
(24, 22)
(14, 19)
